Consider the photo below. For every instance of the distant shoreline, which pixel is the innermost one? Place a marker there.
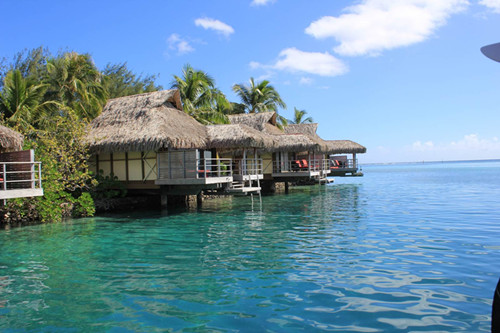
(430, 162)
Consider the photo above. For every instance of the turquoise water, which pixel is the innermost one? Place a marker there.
(407, 248)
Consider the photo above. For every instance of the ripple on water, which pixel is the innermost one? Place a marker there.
(403, 249)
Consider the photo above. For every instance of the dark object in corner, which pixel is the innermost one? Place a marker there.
(495, 310)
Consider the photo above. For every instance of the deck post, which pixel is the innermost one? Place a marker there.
(163, 197)
(4, 177)
(32, 168)
(286, 187)
(40, 175)
(309, 161)
(354, 161)
(199, 199)
(204, 166)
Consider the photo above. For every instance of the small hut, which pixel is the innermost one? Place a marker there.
(341, 164)
(336, 165)
(244, 145)
(284, 162)
(147, 141)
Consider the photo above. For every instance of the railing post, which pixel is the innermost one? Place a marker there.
(4, 176)
(40, 174)
(218, 168)
(204, 168)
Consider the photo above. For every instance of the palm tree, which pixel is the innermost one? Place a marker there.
(75, 81)
(21, 101)
(298, 117)
(260, 97)
(199, 96)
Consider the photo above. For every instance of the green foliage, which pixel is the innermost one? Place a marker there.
(259, 97)
(298, 117)
(84, 205)
(21, 101)
(65, 175)
(108, 187)
(31, 63)
(75, 82)
(200, 98)
(50, 99)
(119, 81)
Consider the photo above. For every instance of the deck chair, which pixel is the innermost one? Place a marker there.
(305, 165)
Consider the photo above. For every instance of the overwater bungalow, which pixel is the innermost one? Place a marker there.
(244, 145)
(296, 156)
(334, 160)
(20, 174)
(147, 142)
(341, 164)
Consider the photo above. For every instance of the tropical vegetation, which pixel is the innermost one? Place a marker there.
(200, 97)
(51, 98)
(259, 96)
(299, 117)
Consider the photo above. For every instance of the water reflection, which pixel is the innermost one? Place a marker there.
(343, 257)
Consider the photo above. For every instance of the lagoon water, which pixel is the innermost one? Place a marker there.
(407, 248)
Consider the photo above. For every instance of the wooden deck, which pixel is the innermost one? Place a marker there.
(23, 193)
(20, 175)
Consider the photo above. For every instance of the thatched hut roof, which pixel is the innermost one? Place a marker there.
(263, 121)
(297, 143)
(10, 140)
(309, 130)
(143, 122)
(345, 147)
(238, 136)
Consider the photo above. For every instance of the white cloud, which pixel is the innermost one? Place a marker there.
(212, 24)
(323, 64)
(491, 4)
(261, 2)
(376, 25)
(180, 45)
(255, 65)
(469, 147)
(419, 146)
(306, 80)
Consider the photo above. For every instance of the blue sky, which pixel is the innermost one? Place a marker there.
(404, 78)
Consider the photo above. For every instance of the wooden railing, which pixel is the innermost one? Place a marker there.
(193, 168)
(343, 164)
(248, 166)
(20, 175)
(300, 165)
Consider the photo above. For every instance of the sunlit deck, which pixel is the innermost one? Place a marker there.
(300, 169)
(20, 175)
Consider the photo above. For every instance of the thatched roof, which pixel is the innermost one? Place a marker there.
(308, 130)
(145, 122)
(238, 136)
(10, 140)
(345, 147)
(263, 121)
(297, 143)
(332, 146)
